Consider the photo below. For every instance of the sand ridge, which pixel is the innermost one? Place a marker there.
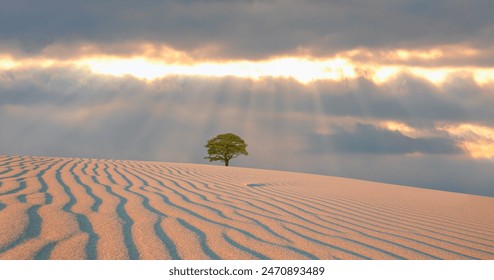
(73, 208)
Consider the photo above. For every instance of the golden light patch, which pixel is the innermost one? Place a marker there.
(435, 65)
(417, 54)
(8, 62)
(400, 127)
(411, 56)
(471, 131)
(483, 76)
(383, 74)
(302, 70)
(139, 68)
(481, 149)
(476, 139)
(435, 76)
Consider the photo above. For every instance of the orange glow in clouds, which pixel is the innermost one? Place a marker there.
(476, 139)
(154, 63)
(302, 70)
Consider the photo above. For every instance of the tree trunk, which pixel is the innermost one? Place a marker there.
(226, 162)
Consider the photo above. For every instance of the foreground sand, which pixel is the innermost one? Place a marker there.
(64, 208)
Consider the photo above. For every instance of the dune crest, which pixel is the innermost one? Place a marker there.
(72, 208)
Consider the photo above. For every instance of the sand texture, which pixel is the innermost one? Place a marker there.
(71, 208)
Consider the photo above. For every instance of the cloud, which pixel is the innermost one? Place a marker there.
(368, 139)
(67, 111)
(409, 99)
(248, 29)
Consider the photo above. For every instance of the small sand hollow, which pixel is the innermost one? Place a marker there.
(72, 208)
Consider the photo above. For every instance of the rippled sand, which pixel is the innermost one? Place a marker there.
(71, 208)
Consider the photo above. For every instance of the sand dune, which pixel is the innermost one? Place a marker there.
(70, 208)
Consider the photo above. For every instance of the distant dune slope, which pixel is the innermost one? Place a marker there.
(71, 208)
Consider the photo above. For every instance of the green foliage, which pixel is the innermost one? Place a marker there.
(225, 147)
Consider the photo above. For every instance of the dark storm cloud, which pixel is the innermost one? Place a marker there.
(368, 139)
(248, 29)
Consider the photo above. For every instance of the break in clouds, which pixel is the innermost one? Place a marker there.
(400, 131)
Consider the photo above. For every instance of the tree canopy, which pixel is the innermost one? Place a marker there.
(225, 147)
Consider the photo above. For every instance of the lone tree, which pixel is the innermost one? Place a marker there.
(224, 147)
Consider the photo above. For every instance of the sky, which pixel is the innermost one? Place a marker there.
(395, 91)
